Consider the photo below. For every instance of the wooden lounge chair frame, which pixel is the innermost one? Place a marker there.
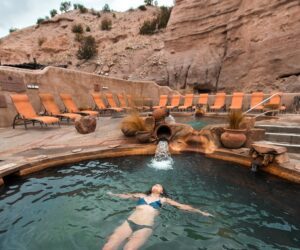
(219, 102)
(27, 115)
(237, 101)
(99, 103)
(175, 101)
(51, 108)
(71, 106)
(123, 103)
(112, 104)
(188, 103)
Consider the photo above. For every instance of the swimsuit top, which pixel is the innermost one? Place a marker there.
(155, 204)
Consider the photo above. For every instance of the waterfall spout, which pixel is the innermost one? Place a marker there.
(162, 159)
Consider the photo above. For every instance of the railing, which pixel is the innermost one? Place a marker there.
(262, 102)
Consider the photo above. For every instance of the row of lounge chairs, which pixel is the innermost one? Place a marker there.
(219, 102)
(52, 114)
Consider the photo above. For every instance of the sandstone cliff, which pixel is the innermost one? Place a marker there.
(234, 45)
(220, 45)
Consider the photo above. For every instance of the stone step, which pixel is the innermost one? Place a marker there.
(280, 128)
(283, 137)
(291, 148)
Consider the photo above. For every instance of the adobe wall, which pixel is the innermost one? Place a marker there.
(79, 84)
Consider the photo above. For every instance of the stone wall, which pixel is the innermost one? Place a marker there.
(78, 84)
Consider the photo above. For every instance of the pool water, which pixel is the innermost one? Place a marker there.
(200, 122)
(69, 208)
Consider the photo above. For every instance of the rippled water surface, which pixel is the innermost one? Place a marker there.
(69, 208)
(200, 122)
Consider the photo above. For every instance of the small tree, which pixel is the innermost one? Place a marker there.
(82, 9)
(87, 48)
(11, 30)
(75, 6)
(163, 17)
(77, 28)
(106, 24)
(53, 13)
(65, 6)
(40, 20)
(148, 27)
(142, 8)
(148, 2)
(106, 8)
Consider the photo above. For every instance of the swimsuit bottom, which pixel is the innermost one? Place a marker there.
(135, 227)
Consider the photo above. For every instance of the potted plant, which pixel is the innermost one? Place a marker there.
(234, 137)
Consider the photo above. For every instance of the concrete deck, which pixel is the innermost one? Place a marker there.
(26, 151)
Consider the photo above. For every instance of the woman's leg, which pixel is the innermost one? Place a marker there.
(138, 239)
(119, 235)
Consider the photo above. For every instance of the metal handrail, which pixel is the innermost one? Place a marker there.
(262, 102)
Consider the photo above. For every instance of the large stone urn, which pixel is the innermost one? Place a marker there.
(233, 138)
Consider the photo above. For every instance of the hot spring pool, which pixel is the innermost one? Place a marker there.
(200, 122)
(69, 208)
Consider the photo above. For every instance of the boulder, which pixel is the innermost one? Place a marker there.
(86, 125)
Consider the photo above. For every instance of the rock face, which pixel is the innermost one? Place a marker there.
(234, 45)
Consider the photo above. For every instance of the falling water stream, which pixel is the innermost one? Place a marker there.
(162, 159)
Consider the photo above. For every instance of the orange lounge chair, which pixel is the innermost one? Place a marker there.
(99, 104)
(71, 107)
(276, 101)
(237, 101)
(256, 98)
(112, 103)
(123, 103)
(219, 102)
(188, 102)
(203, 100)
(132, 104)
(26, 113)
(174, 102)
(52, 109)
(163, 99)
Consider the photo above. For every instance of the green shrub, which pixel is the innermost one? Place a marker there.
(53, 13)
(65, 6)
(78, 37)
(106, 24)
(40, 20)
(131, 9)
(88, 29)
(148, 2)
(142, 8)
(148, 27)
(163, 17)
(114, 15)
(82, 9)
(77, 28)
(87, 49)
(106, 8)
(11, 30)
(75, 6)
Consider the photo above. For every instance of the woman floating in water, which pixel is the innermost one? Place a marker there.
(139, 225)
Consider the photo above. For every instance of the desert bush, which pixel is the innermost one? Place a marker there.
(87, 49)
(163, 17)
(75, 6)
(114, 15)
(132, 124)
(235, 117)
(88, 29)
(41, 40)
(130, 10)
(106, 24)
(142, 8)
(65, 6)
(11, 30)
(148, 27)
(77, 28)
(53, 13)
(106, 8)
(40, 20)
(82, 9)
(149, 2)
(78, 37)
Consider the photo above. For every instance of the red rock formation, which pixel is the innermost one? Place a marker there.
(235, 44)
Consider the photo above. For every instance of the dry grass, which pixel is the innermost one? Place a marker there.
(235, 117)
(134, 122)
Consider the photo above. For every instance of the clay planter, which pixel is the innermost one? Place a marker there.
(233, 138)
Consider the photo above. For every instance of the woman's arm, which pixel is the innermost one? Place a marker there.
(185, 207)
(128, 196)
